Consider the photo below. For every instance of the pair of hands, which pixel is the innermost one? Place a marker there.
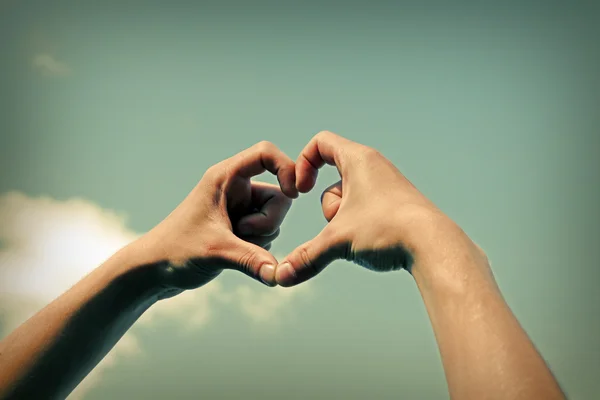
(376, 218)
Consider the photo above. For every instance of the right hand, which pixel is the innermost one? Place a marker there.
(377, 218)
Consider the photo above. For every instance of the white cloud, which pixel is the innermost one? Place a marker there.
(52, 244)
(49, 245)
(261, 307)
(48, 65)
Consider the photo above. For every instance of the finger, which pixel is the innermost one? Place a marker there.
(324, 148)
(252, 260)
(265, 156)
(309, 259)
(272, 206)
(331, 198)
(261, 240)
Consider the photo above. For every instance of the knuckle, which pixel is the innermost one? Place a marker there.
(265, 146)
(215, 172)
(306, 260)
(210, 172)
(325, 133)
(246, 261)
(369, 153)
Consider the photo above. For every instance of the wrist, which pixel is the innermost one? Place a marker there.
(448, 261)
(137, 267)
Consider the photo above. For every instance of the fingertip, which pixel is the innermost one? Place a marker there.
(291, 192)
(285, 275)
(305, 186)
(267, 275)
(287, 181)
(306, 176)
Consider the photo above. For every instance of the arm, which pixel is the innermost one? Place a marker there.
(379, 220)
(226, 222)
(54, 350)
(485, 351)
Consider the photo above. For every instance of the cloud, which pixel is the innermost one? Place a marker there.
(48, 245)
(48, 65)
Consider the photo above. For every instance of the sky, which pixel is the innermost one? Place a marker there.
(110, 112)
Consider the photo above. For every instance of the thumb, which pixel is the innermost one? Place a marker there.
(310, 258)
(253, 260)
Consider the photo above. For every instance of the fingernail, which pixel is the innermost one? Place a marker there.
(286, 274)
(267, 274)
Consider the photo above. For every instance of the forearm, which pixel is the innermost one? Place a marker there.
(48, 355)
(485, 352)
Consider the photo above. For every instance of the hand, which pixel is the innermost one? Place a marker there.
(377, 218)
(227, 221)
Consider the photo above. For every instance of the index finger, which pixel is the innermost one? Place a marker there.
(324, 148)
(265, 156)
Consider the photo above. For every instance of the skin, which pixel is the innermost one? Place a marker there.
(226, 222)
(377, 219)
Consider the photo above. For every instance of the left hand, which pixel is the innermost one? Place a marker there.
(226, 222)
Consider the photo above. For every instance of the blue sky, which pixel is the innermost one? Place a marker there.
(110, 113)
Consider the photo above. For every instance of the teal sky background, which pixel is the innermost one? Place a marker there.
(492, 112)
